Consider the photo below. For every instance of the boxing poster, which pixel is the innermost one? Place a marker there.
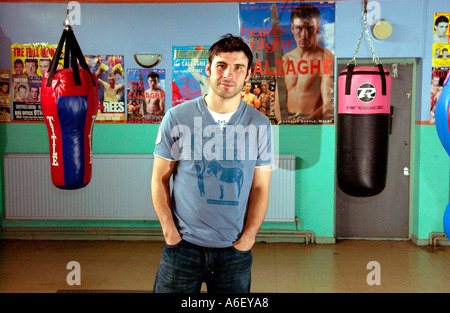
(109, 70)
(146, 95)
(189, 79)
(4, 96)
(293, 49)
(29, 63)
(440, 60)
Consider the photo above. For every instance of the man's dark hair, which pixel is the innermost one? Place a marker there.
(153, 75)
(230, 43)
(441, 19)
(305, 11)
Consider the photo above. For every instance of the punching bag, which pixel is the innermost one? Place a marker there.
(69, 100)
(442, 119)
(363, 123)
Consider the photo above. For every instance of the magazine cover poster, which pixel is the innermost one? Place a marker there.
(441, 28)
(29, 63)
(146, 95)
(109, 70)
(189, 79)
(4, 96)
(299, 54)
(438, 75)
(259, 92)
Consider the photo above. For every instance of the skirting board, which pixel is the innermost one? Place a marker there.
(148, 233)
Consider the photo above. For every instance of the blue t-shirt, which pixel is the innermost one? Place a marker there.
(214, 170)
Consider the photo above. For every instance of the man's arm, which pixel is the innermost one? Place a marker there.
(257, 208)
(160, 190)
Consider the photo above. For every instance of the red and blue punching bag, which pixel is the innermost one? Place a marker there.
(363, 122)
(69, 100)
(442, 120)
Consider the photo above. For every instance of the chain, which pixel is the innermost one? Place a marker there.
(375, 58)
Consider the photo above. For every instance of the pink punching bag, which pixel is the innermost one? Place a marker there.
(69, 100)
(363, 129)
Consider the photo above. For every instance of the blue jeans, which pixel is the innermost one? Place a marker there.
(185, 266)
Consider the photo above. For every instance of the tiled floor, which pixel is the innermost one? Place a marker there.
(40, 266)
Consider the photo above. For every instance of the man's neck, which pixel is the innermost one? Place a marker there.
(221, 105)
(306, 52)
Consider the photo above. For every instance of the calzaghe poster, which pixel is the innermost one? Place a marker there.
(293, 49)
(29, 63)
(189, 79)
(146, 96)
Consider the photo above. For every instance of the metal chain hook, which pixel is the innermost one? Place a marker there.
(66, 22)
(375, 58)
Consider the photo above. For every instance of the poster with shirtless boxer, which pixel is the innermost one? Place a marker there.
(259, 92)
(109, 70)
(294, 42)
(146, 98)
(29, 63)
(189, 79)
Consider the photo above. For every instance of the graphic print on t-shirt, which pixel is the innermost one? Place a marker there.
(223, 179)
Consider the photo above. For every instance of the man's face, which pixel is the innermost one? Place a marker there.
(228, 73)
(112, 82)
(153, 82)
(22, 93)
(264, 86)
(435, 81)
(30, 68)
(247, 87)
(34, 92)
(441, 28)
(18, 68)
(305, 32)
(44, 66)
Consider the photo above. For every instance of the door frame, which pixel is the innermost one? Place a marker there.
(414, 86)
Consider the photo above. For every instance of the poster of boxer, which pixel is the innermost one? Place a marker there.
(146, 98)
(29, 63)
(189, 79)
(109, 70)
(4, 96)
(293, 45)
(440, 58)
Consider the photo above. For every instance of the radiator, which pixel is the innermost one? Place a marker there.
(119, 190)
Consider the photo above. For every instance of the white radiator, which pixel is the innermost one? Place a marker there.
(119, 190)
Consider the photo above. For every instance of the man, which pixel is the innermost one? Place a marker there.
(111, 91)
(34, 94)
(210, 226)
(247, 96)
(308, 71)
(440, 28)
(154, 96)
(266, 97)
(44, 65)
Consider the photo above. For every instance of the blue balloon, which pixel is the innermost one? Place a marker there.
(447, 221)
(443, 130)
